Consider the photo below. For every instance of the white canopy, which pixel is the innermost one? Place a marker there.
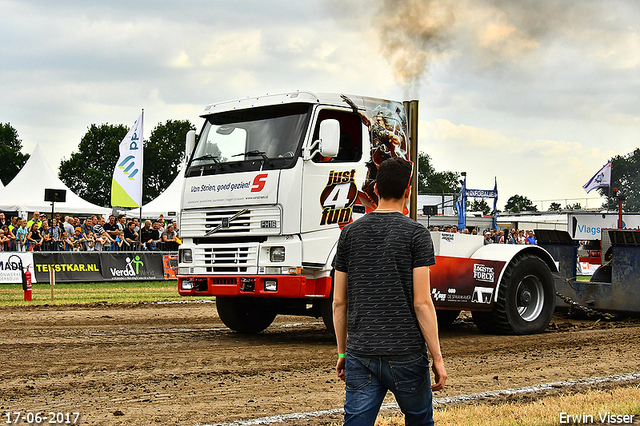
(25, 192)
(167, 203)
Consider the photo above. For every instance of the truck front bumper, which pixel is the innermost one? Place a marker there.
(282, 286)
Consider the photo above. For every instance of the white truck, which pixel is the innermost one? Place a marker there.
(272, 180)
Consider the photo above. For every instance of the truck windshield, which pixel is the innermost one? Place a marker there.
(252, 139)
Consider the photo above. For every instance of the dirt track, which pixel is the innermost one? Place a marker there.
(177, 364)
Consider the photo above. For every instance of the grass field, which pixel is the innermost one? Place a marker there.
(111, 292)
(547, 411)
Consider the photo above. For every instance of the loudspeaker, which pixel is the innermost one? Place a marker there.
(430, 210)
(57, 195)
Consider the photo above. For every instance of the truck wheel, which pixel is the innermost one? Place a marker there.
(245, 316)
(446, 318)
(326, 309)
(526, 299)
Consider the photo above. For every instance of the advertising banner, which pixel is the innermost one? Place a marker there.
(131, 266)
(589, 226)
(68, 266)
(10, 267)
(232, 189)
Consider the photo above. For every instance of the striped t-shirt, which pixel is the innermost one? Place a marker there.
(378, 252)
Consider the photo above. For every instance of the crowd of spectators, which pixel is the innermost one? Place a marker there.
(94, 233)
(494, 236)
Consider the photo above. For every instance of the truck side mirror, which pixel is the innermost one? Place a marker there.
(189, 144)
(329, 137)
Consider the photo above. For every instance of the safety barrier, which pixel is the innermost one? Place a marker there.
(88, 266)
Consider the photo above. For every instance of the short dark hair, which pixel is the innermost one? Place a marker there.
(393, 178)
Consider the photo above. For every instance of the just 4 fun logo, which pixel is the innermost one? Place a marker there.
(337, 197)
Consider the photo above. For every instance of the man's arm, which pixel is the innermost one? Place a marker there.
(340, 317)
(426, 314)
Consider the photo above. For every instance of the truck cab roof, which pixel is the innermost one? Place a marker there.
(288, 98)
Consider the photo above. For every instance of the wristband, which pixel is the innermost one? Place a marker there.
(340, 355)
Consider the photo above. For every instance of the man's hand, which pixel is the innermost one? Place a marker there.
(440, 374)
(340, 368)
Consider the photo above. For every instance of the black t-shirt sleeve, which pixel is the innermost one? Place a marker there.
(422, 247)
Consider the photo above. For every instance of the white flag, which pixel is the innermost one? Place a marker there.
(602, 178)
(126, 185)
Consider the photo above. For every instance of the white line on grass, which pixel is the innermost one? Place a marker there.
(446, 400)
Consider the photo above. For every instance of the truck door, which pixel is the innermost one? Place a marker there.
(330, 185)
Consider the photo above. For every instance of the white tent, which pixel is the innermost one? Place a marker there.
(25, 192)
(167, 203)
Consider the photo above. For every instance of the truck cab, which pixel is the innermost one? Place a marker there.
(269, 184)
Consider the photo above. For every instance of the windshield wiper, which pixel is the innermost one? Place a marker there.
(256, 153)
(208, 157)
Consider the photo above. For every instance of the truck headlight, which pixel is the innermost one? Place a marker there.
(271, 285)
(186, 256)
(276, 254)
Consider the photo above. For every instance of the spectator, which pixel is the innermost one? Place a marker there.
(35, 219)
(487, 238)
(474, 231)
(15, 224)
(513, 237)
(10, 242)
(47, 238)
(56, 233)
(89, 241)
(148, 236)
(3, 221)
(65, 244)
(131, 236)
(22, 234)
(4, 241)
(521, 238)
(121, 243)
(34, 238)
(137, 225)
(531, 239)
(87, 225)
(68, 225)
(98, 226)
(77, 239)
(111, 227)
(169, 239)
(120, 223)
(103, 241)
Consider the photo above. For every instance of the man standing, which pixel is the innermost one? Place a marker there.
(382, 309)
(111, 227)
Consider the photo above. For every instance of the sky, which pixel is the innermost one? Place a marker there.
(538, 94)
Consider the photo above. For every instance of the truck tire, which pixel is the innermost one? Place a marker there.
(326, 309)
(446, 318)
(244, 316)
(526, 299)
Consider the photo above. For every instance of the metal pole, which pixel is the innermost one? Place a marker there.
(413, 152)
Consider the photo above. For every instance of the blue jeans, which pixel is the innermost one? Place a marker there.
(368, 378)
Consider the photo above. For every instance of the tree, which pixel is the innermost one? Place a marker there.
(576, 206)
(555, 207)
(625, 176)
(163, 155)
(12, 158)
(89, 171)
(519, 203)
(432, 182)
(479, 206)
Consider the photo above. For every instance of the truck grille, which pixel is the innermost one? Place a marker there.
(230, 222)
(227, 259)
